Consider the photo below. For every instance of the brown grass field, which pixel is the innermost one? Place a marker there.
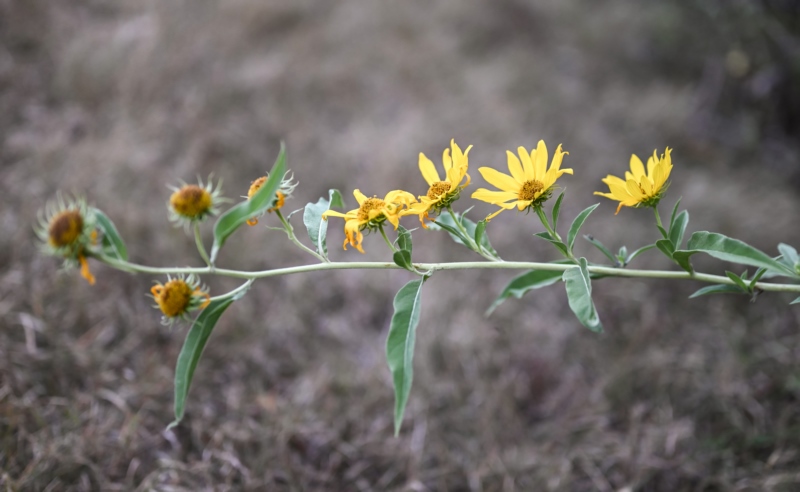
(117, 100)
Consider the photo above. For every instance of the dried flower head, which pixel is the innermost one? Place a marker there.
(67, 228)
(179, 296)
(194, 203)
(285, 191)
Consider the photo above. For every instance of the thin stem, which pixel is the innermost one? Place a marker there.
(658, 222)
(198, 240)
(385, 238)
(543, 217)
(473, 245)
(467, 265)
(290, 232)
(235, 291)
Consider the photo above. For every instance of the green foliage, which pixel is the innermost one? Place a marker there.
(400, 344)
(717, 289)
(475, 238)
(520, 285)
(316, 226)
(112, 243)
(579, 295)
(732, 250)
(557, 210)
(402, 257)
(577, 224)
(256, 205)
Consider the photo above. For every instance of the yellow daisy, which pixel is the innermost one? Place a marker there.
(531, 183)
(371, 214)
(179, 296)
(441, 193)
(640, 188)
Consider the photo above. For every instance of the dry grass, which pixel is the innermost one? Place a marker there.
(113, 100)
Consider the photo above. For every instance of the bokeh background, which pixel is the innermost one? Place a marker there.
(116, 100)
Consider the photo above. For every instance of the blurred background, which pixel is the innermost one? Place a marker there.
(117, 100)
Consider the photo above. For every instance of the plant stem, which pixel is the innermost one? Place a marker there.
(198, 240)
(467, 265)
(290, 232)
(235, 291)
(658, 222)
(389, 243)
(473, 245)
(546, 223)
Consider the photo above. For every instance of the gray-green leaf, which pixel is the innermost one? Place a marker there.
(316, 226)
(678, 228)
(520, 285)
(577, 223)
(735, 251)
(400, 345)
(579, 295)
(718, 289)
(113, 245)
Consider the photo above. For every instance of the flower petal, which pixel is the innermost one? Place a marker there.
(360, 197)
(447, 160)
(494, 197)
(637, 168)
(527, 164)
(515, 167)
(540, 164)
(427, 169)
(498, 179)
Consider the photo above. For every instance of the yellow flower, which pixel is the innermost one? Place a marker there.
(179, 296)
(285, 190)
(441, 193)
(194, 203)
(531, 183)
(371, 214)
(640, 188)
(67, 229)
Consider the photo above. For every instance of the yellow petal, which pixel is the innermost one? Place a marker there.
(637, 168)
(515, 167)
(527, 163)
(633, 189)
(540, 165)
(333, 213)
(360, 197)
(494, 197)
(498, 179)
(85, 272)
(447, 160)
(613, 179)
(399, 197)
(427, 169)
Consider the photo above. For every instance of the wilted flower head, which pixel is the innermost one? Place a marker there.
(194, 203)
(67, 227)
(640, 188)
(179, 296)
(285, 191)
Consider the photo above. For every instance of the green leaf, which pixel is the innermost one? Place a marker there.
(520, 285)
(678, 228)
(316, 226)
(735, 251)
(597, 244)
(666, 247)
(257, 204)
(400, 345)
(446, 222)
(403, 257)
(737, 280)
(557, 210)
(555, 242)
(663, 231)
(577, 223)
(480, 233)
(789, 254)
(759, 273)
(674, 214)
(681, 257)
(717, 289)
(796, 301)
(404, 239)
(113, 245)
(638, 252)
(579, 295)
(192, 349)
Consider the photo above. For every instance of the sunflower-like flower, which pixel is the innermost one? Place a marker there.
(179, 296)
(67, 227)
(371, 214)
(191, 203)
(285, 191)
(531, 183)
(441, 193)
(640, 188)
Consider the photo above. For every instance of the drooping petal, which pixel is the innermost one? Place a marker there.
(85, 272)
(494, 197)
(505, 206)
(498, 179)
(399, 197)
(428, 170)
(515, 166)
(352, 214)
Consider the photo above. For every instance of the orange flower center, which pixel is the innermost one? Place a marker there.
(530, 189)
(438, 189)
(255, 186)
(173, 298)
(368, 206)
(191, 201)
(65, 228)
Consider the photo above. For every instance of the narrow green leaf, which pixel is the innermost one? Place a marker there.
(480, 232)
(638, 252)
(796, 301)
(759, 273)
(520, 285)
(192, 349)
(737, 280)
(558, 244)
(257, 204)
(674, 214)
(665, 246)
(112, 242)
(445, 222)
(316, 226)
(717, 289)
(400, 345)
(600, 246)
(557, 210)
(735, 251)
(663, 231)
(789, 254)
(404, 239)
(577, 224)
(678, 228)
(579, 295)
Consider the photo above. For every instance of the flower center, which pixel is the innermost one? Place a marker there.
(255, 186)
(530, 189)
(65, 228)
(368, 206)
(438, 189)
(191, 201)
(174, 297)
